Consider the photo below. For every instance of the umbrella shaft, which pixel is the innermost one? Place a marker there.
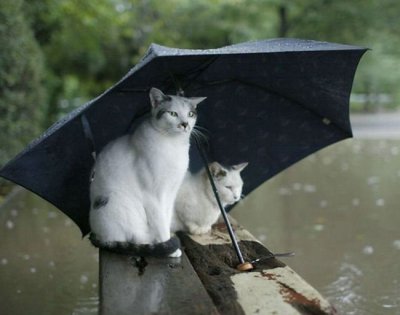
(231, 233)
(221, 207)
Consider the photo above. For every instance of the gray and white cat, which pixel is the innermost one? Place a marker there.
(137, 178)
(196, 208)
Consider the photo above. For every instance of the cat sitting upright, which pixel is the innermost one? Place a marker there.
(196, 208)
(137, 177)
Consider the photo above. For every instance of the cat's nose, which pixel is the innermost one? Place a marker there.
(184, 125)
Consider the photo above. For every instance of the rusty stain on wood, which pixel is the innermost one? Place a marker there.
(302, 303)
(272, 288)
(216, 263)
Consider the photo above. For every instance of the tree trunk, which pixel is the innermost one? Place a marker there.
(283, 22)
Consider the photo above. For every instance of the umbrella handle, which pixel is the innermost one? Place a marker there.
(243, 266)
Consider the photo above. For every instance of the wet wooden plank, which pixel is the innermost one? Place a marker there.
(271, 288)
(151, 286)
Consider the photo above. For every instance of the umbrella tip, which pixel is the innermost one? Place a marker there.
(246, 266)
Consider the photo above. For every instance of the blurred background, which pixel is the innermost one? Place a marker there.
(336, 209)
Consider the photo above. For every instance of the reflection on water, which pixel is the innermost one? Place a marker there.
(339, 211)
(45, 266)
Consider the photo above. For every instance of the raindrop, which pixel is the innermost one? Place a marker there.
(45, 229)
(380, 202)
(323, 203)
(67, 222)
(32, 270)
(368, 250)
(319, 227)
(373, 180)
(388, 305)
(51, 263)
(19, 291)
(296, 186)
(4, 261)
(52, 215)
(283, 191)
(262, 237)
(9, 225)
(326, 121)
(355, 202)
(94, 285)
(26, 257)
(394, 150)
(396, 244)
(309, 188)
(14, 212)
(83, 279)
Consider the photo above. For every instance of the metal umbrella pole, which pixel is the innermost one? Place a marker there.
(243, 266)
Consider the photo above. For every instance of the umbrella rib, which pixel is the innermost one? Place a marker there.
(173, 78)
(324, 119)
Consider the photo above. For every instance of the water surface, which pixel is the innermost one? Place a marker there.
(339, 211)
(45, 266)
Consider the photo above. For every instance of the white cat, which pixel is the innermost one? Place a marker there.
(196, 208)
(137, 177)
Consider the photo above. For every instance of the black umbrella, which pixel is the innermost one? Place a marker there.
(270, 103)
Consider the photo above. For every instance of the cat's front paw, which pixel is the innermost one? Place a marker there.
(175, 254)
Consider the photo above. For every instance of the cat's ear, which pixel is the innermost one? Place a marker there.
(157, 97)
(240, 167)
(217, 170)
(196, 100)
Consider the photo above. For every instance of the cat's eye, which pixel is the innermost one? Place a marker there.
(173, 114)
(192, 114)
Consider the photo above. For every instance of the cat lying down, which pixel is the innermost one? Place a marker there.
(196, 208)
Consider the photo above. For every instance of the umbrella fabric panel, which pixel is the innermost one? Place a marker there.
(53, 166)
(318, 81)
(270, 132)
(62, 163)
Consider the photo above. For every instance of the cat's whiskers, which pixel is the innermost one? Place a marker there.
(201, 128)
(199, 135)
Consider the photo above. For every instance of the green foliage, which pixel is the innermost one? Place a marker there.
(21, 73)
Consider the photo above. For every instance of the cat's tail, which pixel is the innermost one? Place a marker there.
(144, 250)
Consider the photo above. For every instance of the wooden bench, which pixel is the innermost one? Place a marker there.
(204, 281)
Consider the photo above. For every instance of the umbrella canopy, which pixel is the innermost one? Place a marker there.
(270, 103)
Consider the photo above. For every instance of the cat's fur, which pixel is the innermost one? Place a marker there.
(196, 208)
(137, 178)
